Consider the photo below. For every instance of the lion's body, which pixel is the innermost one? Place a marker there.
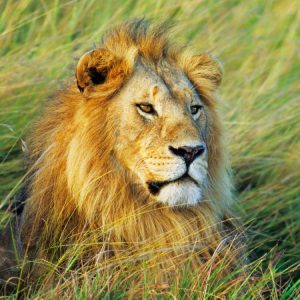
(83, 160)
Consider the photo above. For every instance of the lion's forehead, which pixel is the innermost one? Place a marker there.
(162, 82)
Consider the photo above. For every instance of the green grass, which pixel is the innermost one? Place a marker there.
(258, 43)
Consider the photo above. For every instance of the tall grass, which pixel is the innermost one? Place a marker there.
(258, 43)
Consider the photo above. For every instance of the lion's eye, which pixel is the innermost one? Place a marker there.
(195, 109)
(146, 108)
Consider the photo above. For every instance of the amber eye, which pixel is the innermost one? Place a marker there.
(146, 108)
(195, 109)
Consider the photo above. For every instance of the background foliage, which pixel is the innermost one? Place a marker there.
(258, 43)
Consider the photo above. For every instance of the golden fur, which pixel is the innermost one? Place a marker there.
(82, 184)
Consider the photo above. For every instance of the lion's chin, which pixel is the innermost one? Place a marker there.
(180, 193)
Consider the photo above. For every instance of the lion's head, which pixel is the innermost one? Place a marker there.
(162, 134)
(161, 110)
(132, 145)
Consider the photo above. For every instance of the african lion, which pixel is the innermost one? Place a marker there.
(131, 154)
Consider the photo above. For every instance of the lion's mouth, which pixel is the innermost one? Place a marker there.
(155, 186)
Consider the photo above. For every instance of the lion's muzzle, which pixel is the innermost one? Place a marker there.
(187, 180)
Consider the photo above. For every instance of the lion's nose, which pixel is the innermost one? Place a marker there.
(189, 154)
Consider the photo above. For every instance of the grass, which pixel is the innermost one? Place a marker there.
(258, 43)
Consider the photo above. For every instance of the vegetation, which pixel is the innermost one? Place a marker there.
(258, 43)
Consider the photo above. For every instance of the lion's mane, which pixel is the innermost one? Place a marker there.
(75, 192)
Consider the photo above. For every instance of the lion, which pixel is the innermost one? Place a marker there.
(131, 155)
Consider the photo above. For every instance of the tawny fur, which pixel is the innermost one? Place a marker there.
(78, 192)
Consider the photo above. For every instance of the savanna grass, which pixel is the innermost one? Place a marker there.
(258, 43)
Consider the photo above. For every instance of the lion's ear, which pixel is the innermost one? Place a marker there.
(204, 66)
(93, 67)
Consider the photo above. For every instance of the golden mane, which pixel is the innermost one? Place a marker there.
(75, 192)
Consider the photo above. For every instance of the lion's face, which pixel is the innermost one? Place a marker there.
(154, 123)
(162, 134)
